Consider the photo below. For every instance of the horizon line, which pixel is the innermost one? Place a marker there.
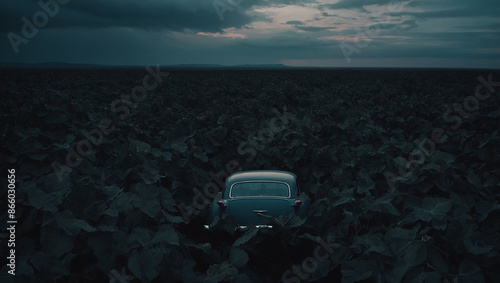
(63, 65)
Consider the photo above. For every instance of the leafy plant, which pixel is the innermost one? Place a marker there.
(118, 208)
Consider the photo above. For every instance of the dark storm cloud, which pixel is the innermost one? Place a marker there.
(349, 4)
(407, 25)
(394, 28)
(489, 27)
(284, 2)
(433, 9)
(432, 45)
(174, 15)
(300, 26)
(451, 13)
(314, 29)
(191, 31)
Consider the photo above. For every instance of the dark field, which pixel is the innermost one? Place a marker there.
(114, 170)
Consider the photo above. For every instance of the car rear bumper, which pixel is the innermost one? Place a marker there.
(260, 226)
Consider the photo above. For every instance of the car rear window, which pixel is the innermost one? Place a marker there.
(255, 189)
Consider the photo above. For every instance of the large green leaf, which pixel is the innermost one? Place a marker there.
(246, 237)
(166, 234)
(140, 147)
(68, 223)
(221, 272)
(477, 248)
(436, 261)
(150, 172)
(151, 207)
(103, 248)
(238, 257)
(179, 146)
(374, 243)
(43, 201)
(357, 270)
(140, 236)
(54, 242)
(470, 272)
(146, 263)
(432, 208)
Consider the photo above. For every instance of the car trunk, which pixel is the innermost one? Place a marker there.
(246, 210)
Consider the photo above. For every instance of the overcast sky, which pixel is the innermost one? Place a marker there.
(335, 33)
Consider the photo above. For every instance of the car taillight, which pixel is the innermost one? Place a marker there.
(221, 203)
(297, 202)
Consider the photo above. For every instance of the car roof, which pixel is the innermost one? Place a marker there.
(262, 175)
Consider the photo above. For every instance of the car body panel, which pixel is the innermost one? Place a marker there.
(246, 211)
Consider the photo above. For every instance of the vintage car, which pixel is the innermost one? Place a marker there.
(256, 197)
